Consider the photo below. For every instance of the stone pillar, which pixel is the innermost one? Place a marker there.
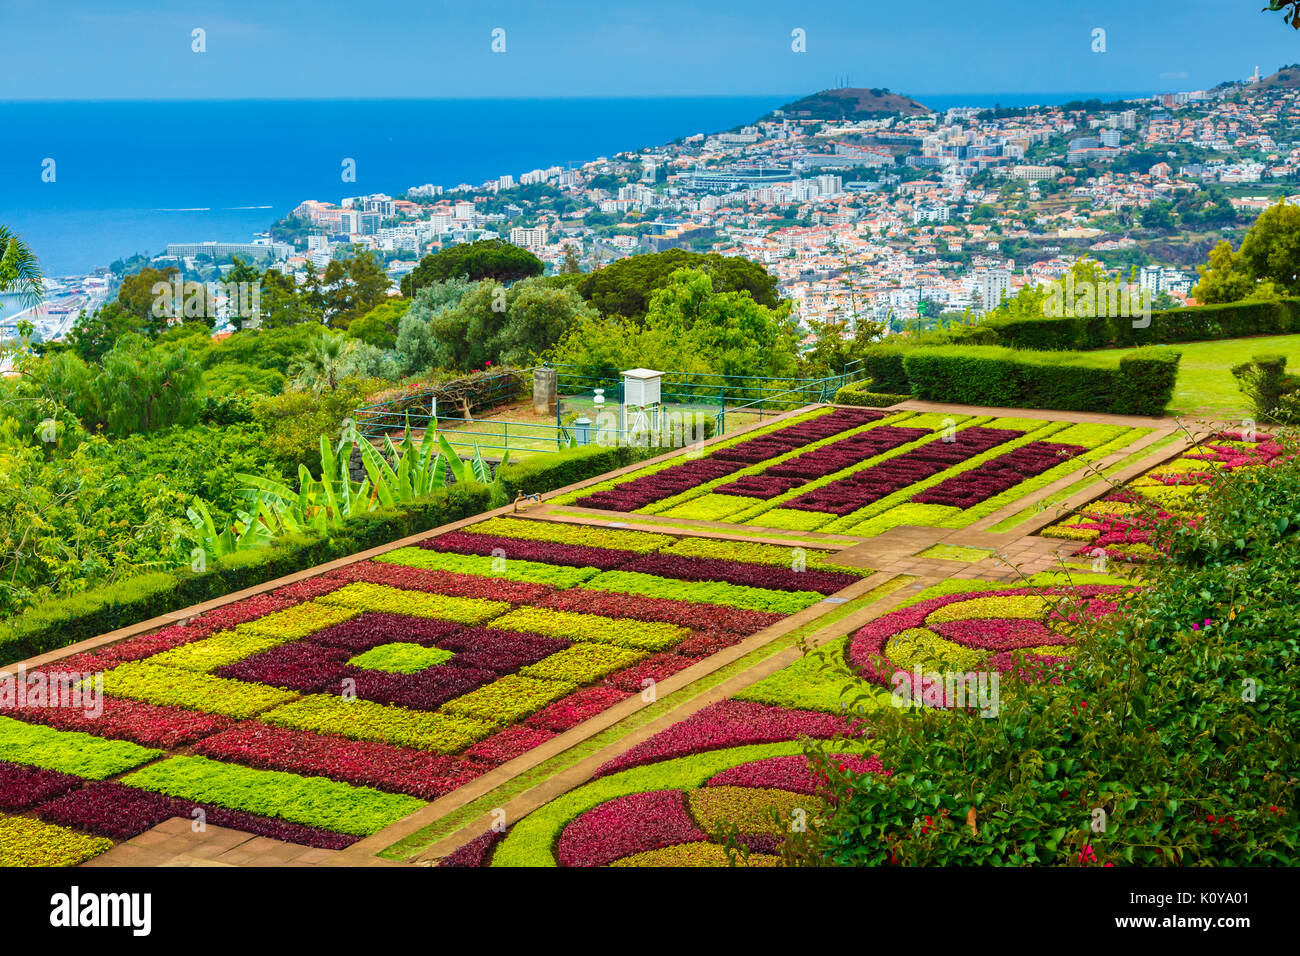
(544, 390)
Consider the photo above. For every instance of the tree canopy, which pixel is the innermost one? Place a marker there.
(624, 287)
(485, 259)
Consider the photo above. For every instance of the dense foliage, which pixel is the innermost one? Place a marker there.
(1172, 740)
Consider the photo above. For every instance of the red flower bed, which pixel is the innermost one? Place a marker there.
(705, 643)
(521, 549)
(1005, 634)
(793, 773)
(627, 825)
(298, 666)
(738, 572)
(866, 650)
(682, 613)
(729, 723)
(567, 712)
(879, 481)
(508, 744)
(763, 486)
(383, 766)
(131, 649)
(380, 627)
(639, 492)
(656, 668)
(498, 650)
(148, 725)
(476, 852)
(110, 809)
(22, 787)
(240, 612)
(121, 812)
(445, 582)
(846, 452)
(998, 475)
(428, 689)
(310, 588)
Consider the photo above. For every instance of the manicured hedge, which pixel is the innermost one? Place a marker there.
(1231, 320)
(1141, 384)
(863, 394)
(884, 367)
(65, 620)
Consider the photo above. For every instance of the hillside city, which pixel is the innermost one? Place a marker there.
(895, 218)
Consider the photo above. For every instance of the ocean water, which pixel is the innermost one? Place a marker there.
(133, 176)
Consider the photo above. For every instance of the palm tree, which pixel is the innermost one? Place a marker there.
(322, 366)
(19, 270)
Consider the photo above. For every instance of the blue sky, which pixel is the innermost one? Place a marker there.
(138, 49)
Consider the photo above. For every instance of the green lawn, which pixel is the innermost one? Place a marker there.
(1205, 387)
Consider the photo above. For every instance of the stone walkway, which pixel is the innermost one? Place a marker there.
(175, 843)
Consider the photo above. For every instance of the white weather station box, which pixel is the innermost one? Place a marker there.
(641, 387)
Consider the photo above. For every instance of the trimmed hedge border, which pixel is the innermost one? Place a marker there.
(66, 620)
(859, 394)
(1141, 384)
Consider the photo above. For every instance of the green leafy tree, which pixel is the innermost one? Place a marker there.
(625, 287)
(486, 259)
(139, 389)
(378, 327)
(352, 287)
(93, 334)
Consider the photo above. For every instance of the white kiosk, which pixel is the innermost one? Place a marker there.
(641, 399)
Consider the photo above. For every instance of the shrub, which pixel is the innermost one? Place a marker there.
(1271, 389)
(861, 394)
(1141, 384)
(884, 366)
(66, 620)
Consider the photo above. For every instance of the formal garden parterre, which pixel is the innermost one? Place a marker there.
(325, 711)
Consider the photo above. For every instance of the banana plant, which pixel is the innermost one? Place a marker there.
(248, 531)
